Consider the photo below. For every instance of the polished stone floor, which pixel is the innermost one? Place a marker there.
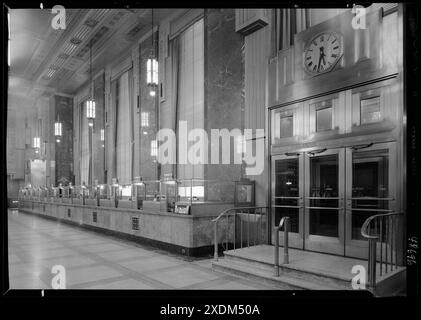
(95, 261)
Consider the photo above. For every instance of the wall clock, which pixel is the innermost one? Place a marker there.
(323, 52)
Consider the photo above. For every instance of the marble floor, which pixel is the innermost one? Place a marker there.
(95, 261)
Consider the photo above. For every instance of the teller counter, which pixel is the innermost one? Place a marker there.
(186, 234)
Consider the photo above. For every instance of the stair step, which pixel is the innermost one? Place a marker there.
(289, 271)
(284, 281)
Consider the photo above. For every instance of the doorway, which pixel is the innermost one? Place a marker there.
(329, 193)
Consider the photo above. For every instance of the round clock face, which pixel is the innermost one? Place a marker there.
(322, 53)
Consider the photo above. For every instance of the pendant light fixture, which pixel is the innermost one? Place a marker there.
(90, 104)
(37, 138)
(58, 130)
(152, 66)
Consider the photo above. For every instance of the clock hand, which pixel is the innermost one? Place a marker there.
(322, 53)
(318, 66)
(320, 58)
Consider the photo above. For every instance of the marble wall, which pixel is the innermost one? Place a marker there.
(64, 149)
(224, 82)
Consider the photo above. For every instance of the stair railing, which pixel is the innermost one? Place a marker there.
(285, 223)
(381, 231)
(249, 224)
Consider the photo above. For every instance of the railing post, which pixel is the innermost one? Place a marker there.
(276, 252)
(215, 241)
(372, 248)
(286, 231)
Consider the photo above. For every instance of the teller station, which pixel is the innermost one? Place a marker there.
(171, 214)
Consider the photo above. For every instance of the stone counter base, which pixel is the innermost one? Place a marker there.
(181, 234)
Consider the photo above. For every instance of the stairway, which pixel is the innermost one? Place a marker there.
(306, 270)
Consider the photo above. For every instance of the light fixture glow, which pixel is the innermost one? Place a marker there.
(154, 148)
(90, 109)
(102, 135)
(58, 129)
(144, 119)
(152, 71)
(37, 142)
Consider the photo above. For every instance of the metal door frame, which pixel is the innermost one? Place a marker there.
(296, 240)
(334, 245)
(359, 248)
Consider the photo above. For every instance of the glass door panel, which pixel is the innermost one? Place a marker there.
(287, 199)
(324, 224)
(370, 191)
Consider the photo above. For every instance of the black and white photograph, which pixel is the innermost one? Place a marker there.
(211, 150)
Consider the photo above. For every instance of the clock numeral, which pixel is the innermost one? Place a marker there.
(337, 47)
(334, 55)
(309, 64)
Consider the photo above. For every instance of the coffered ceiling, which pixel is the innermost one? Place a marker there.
(44, 60)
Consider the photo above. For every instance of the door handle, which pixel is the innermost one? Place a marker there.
(361, 146)
(301, 202)
(290, 154)
(312, 153)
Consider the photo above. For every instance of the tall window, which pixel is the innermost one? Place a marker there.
(191, 89)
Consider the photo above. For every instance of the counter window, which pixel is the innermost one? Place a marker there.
(284, 124)
(324, 116)
(370, 110)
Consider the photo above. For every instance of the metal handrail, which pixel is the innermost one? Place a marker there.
(235, 209)
(226, 213)
(284, 222)
(385, 226)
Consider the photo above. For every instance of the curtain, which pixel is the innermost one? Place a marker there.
(124, 130)
(84, 143)
(175, 63)
(190, 93)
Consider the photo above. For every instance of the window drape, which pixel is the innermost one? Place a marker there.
(190, 93)
(124, 129)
